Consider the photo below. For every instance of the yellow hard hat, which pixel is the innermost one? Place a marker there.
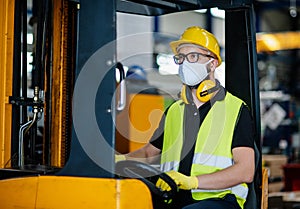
(199, 36)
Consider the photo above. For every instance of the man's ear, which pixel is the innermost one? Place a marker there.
(214, 63)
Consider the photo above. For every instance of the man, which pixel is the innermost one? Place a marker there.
(204, 141)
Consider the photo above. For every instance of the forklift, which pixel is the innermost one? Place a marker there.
(70, 161)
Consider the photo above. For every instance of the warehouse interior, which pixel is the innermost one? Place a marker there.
(152, 83)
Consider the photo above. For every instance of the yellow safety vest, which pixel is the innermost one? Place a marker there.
(213, 146)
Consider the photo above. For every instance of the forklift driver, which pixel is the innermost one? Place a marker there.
(205, 140)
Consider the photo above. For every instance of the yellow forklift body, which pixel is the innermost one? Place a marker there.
(57, 192)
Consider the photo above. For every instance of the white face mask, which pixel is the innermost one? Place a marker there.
(192, 74)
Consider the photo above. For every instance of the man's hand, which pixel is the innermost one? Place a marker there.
(183, 181)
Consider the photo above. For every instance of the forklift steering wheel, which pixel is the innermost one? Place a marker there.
(147, 174)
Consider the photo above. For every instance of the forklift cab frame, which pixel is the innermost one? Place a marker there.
(241, 76)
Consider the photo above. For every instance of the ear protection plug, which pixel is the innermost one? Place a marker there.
(186, 94)
(205, 90)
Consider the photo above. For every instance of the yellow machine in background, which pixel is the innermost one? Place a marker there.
(144, 112)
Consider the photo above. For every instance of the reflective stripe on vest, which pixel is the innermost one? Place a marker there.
(213, 145)
(173, 165)
(239, 189)
(214, 161)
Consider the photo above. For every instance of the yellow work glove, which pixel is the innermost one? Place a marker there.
(119, 158)
(183, 181)
(163, 185)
